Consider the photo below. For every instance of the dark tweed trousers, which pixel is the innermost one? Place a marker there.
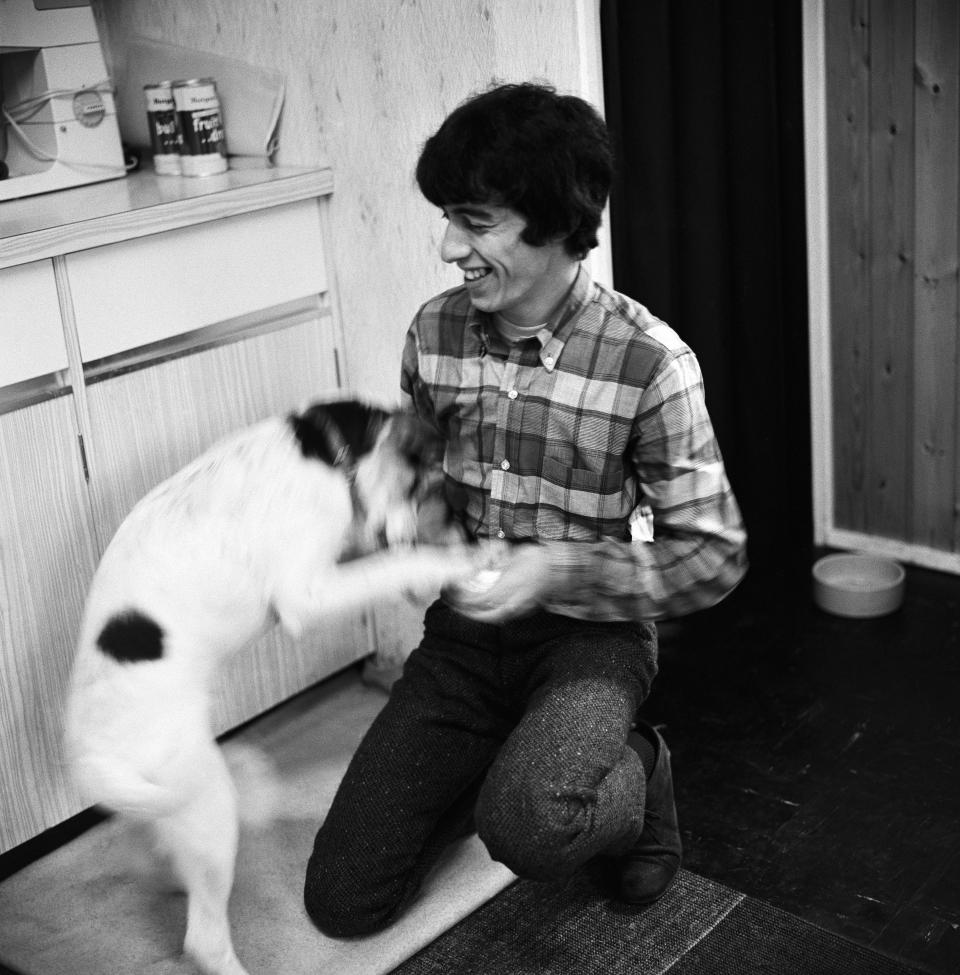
(519, 729)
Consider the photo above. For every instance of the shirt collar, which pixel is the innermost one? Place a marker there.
(554, 334)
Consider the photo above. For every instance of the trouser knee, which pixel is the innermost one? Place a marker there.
(545, 827)
(341, 905)
(531, 831)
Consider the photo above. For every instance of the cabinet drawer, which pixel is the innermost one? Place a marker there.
(140, 291)
(31, 336)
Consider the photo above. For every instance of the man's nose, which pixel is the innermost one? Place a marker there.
(454, 246)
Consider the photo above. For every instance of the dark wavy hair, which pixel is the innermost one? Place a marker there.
(523, 146)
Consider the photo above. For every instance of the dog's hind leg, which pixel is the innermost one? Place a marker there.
(201, 841)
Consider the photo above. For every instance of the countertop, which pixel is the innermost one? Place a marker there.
(64, 221)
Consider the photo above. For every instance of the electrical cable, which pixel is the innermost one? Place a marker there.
(28, 107)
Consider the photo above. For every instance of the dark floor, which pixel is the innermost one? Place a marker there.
(817, 760)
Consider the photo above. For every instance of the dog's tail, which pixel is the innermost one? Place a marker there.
(123, 789)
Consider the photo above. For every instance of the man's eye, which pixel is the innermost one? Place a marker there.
(474, 227)
(465, 223)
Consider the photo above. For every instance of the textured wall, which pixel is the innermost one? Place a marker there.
(367, 82)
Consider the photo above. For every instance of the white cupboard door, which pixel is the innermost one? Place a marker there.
(148, 423)
(31, 336)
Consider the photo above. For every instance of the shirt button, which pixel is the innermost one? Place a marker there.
(501, 534)
(512, 394)
(504, 465)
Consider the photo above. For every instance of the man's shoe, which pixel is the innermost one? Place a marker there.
(647, 869)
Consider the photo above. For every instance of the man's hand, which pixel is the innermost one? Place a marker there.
(515, 582)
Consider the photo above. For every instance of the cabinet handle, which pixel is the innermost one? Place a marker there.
(83, 458)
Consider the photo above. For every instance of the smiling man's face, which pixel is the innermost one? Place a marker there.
(502, 272)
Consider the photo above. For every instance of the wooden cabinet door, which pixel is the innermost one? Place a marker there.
(47, 556)
(148, 423)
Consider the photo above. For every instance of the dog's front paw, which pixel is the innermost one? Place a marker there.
(434, 567)
(471, 591)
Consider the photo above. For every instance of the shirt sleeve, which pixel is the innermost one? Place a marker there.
(698, 551)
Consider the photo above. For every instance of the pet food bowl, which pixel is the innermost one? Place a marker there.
(861, 586)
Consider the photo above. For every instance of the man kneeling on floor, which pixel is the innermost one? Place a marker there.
(571, 415)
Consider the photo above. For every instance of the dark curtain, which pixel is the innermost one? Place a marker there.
(704, 100)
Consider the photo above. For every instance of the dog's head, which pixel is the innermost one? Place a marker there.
(393, 461)
(338, 433)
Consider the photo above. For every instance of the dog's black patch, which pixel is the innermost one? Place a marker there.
(324, 429)
(131, 637)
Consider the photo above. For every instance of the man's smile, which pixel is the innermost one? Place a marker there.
(475, 273)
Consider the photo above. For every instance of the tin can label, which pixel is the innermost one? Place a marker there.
(162, 120)
(201, 123)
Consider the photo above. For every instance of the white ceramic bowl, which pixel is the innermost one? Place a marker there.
(858, 585)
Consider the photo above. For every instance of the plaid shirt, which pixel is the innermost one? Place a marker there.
(595, 433)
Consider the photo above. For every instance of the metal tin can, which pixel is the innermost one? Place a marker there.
(164, 130)
(203, 145)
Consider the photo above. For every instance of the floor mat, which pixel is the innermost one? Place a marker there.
(548, 929)
(97, 906)
(697, 928)
(757, 937)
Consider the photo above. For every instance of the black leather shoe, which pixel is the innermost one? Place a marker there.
(647, 869)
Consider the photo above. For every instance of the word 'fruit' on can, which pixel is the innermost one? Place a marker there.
(203, 147)
(164, 130)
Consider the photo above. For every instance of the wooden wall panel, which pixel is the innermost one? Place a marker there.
(891, 265)
(848, 106)
(934, 454)
(894, 164)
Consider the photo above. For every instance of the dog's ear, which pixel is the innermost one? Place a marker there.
(337, 432)
(418, 442)
(439, 513)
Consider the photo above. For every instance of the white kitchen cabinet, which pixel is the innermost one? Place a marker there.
(142, 319)
(149, 422)
(47, 556)
(31, 336)
(168, 284)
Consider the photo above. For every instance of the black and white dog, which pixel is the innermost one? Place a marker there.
(287, 520)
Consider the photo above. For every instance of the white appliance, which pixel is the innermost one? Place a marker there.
(58, 122)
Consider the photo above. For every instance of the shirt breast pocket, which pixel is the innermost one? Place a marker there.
(593, 471)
